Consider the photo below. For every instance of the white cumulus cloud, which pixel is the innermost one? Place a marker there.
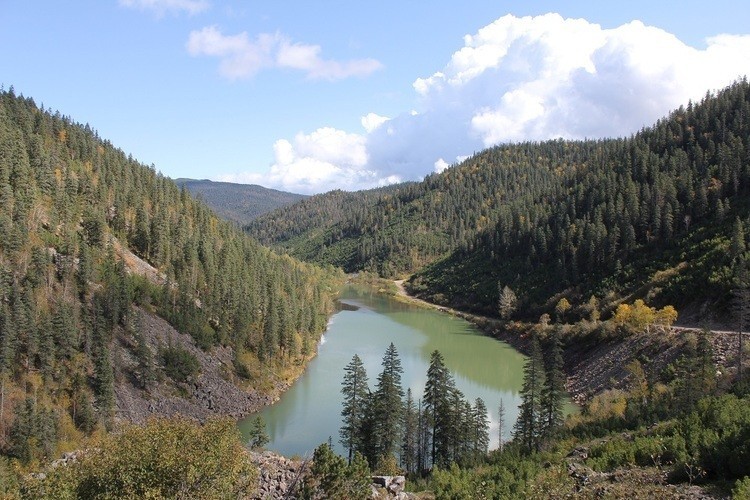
(371, 121)
(516, 79)
(326, 157)
(240, 57)
(441, 165)
(161, 7)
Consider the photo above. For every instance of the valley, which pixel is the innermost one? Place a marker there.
(369, 322)
(126, 300)
(374, 250)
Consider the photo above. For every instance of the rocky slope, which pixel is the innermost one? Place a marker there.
(212, 392)
(215, 391)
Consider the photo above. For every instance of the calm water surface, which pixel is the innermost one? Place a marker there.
(310, 411)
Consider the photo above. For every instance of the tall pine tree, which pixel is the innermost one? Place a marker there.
(527, 428)
(553, 392)
(388, 403)
(356, 392)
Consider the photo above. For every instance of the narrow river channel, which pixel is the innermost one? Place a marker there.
(309, 412)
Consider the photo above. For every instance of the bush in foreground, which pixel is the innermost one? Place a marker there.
(166, 458)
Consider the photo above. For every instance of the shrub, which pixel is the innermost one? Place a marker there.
(167, 458)
(741, 490)
(331, 478)
(612, 454)
(179, 363)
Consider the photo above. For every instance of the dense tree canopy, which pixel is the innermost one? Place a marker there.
(86, 233)
(663, 211)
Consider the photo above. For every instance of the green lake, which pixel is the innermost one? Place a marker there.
(309, 412)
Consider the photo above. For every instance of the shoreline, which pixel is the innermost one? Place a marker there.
(212, 393)
(593, 368)
(489, 326)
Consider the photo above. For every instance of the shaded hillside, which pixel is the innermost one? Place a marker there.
(662, 215)
(325, 228)
(651, 215)
(240, 203)
(86, 234)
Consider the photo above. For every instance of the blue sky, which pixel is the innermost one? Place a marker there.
(310, 96)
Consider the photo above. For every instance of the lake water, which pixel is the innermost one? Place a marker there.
(310, 411)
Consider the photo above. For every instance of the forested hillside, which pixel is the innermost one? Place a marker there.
(72, 206)
(324, 228)
(661, 215)
(658, 215)
(240, 203)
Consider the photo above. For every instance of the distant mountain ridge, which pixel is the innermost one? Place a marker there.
(239, 203)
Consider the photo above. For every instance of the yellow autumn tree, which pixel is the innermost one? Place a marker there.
(665, 317)
(639, 317)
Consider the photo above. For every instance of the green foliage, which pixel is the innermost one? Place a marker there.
(240, 368)
(179, 363)
(387, 466)
(387, 406)
(33, 433)
(644, 451)
(441, 429)
(145, 371)
(438, 410)
(710, 443)
(528, 431)
(84, 416)
(87, 233)
(459, 484)
(331, 478)
(258, 435)
(655, 214)
(741, 490)
(8, 479)
(722, 440)
(553, 391)
(409, 452)
(511, 477)
(356, 394)
(164, 459)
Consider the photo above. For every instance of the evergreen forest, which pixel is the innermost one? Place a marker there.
(90, 239)
(660, 215)
(585, 232)
(240, 203)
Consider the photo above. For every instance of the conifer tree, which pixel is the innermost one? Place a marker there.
(356, 393)
(741, 298)
(553, 392)
(737, 243)
(410, 441)
(258, 435)
(527, 427)
(145, 370)
(83, 411)
(423, 437)
(481, 423)
(388, 403)
(705, 368)
(501, 425)
(438, 392)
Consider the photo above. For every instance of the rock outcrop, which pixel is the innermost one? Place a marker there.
(389, 487)
(278, 477)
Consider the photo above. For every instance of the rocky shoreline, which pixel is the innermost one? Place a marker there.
(591, 369)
